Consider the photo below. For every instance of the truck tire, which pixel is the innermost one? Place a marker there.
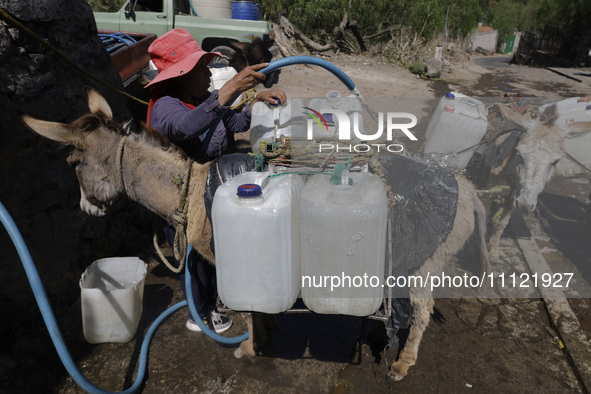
(224, 50)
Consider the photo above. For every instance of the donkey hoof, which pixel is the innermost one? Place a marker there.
(395, 376)
(246, 349)
(398, 371)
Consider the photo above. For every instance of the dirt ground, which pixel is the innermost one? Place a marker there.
(484, 345)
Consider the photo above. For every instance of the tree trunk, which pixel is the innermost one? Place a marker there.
(291, 31)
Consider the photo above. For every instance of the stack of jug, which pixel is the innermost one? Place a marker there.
(275, 236)
(573, 110)
(343, 239)
(458, 124)
(256, 230)
(268, 122)
(350, 105)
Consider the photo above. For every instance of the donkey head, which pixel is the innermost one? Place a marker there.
(538, 151)
(251, 53)
(94, 137)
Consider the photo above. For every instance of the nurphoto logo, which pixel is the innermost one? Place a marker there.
(346, 133)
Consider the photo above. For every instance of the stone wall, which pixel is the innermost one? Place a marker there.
(37, 187)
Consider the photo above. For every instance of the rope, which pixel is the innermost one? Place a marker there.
(12, 20)
(259, 161)
(577, 162)
(120, 163)
(284, 146)
(250, 95)
(179, 247)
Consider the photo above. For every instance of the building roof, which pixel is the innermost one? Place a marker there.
(484, 29)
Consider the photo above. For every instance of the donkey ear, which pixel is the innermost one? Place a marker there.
(575, 129)
(523, 121)
(55, 131)
(97, 103)
(268, 43)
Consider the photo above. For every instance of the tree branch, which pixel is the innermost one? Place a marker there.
(290, 30)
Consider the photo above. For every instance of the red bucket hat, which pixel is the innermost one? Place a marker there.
(175, 54)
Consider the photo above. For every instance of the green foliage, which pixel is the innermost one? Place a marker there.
(426, 17)
(511, 16)
(416, 67)
(559, 20)
(106, 5)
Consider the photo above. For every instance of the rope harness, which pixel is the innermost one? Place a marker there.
(120, 149)
(179, 247)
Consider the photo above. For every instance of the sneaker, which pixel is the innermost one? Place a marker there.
(215, 321)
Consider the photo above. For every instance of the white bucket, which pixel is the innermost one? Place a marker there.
(571, 111)
(257, 242)
(112, 291)
(269, 122)
(343, 239)
(457, 125)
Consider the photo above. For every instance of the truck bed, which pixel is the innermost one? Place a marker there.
(129, 52)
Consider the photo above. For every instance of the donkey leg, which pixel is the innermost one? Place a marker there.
(260, 326)
(500, 221)
(247, 346)
(501, 208)
(421, 312)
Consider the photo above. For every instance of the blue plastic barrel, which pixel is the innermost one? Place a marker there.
(248, 10)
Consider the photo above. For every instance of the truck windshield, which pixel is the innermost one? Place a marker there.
(145, 5)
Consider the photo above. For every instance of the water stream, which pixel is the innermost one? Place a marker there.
(375, 116)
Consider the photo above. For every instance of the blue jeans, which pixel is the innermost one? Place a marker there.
(203, 279)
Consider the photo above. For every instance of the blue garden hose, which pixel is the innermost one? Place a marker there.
(55, 333)
(43, 301)
(289, 61)
(189, 289)
(115, 41)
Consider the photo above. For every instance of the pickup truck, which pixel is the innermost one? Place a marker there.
(129, 52)
(159, 16)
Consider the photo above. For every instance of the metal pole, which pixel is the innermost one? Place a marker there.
(445, 28)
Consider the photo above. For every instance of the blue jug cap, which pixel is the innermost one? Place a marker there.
(249, 190)
(450, 95)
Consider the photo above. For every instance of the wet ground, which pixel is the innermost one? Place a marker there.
(484, 345)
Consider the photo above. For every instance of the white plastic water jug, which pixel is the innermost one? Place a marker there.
(256, 230)
(343, 244)
(457, 125)
(268, 122)
(221, 75)
(333, 100)
(112, 292)
(571, 111)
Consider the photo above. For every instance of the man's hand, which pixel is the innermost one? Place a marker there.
(244, 80)
(274, 97)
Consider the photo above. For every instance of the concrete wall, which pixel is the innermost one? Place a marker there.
(486, 40)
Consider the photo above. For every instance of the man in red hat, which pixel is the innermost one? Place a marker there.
(201, 123)
(181, 107)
